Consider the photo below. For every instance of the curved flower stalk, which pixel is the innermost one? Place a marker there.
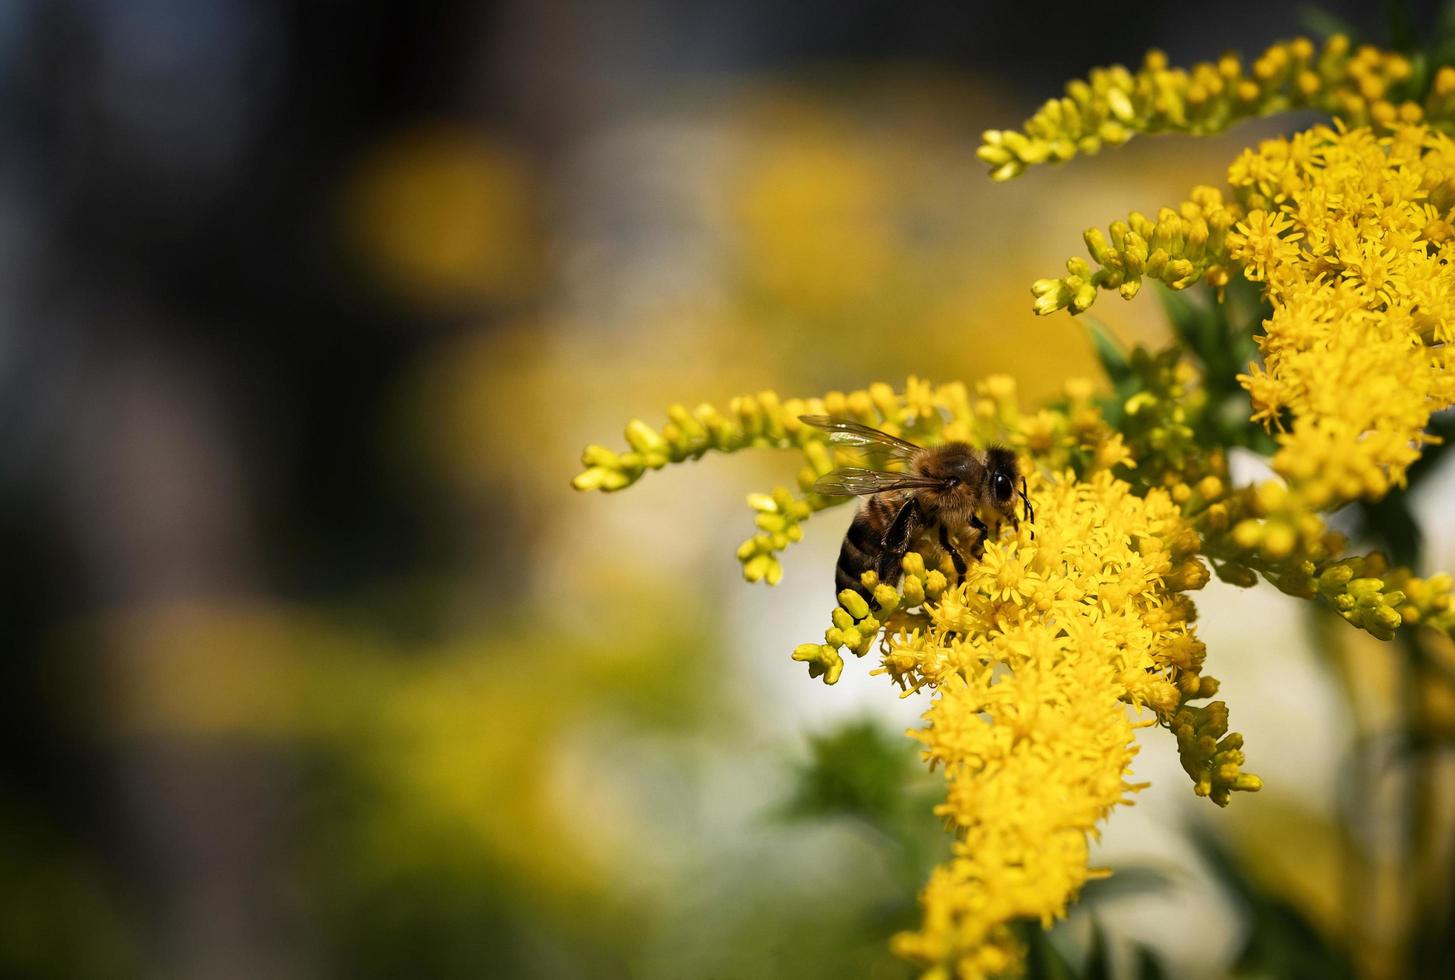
(923, 413)
(1363, 86)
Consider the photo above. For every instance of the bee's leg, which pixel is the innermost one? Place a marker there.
(982, 532)
(954, 552)
(907, 524)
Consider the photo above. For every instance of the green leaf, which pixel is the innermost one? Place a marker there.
(1043, 960)
(1441, 49)
(1187, 318)
(1432, 946)
(1128, 880)
(1392, 525)
(1109, 351)
(1148, 965)
(1400, 22)
(859, 770)
(1281, 941)
(869, 774)
(1098, 960)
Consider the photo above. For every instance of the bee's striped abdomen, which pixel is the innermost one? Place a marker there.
(863, 544)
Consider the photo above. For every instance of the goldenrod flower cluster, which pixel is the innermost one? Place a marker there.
(1350, 235)
(1364, 86)
(1265, 529)
(1034, 659)
(1063, 637)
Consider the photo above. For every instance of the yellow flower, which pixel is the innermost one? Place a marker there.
(1008, 578)
(1259, 243)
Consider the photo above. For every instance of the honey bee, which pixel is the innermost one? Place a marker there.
(938, 506)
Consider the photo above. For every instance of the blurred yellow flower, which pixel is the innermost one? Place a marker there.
(814, 213)
(445, 219)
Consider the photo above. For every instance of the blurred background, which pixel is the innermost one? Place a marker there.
(315, 665)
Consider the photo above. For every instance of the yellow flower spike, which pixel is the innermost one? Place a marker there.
(1335, 579)
(823, 661)
(599, 478)
(1032, 659)
(1112, 104)
(764, 503)
(1362, 589)
(820, 460)
(958, 655)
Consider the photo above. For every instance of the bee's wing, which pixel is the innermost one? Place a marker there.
(843, 432)
(852, 481)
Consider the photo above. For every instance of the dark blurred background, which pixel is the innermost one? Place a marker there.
(315, 666)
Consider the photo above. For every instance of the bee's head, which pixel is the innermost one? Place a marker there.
(1004, 484)
(957, 470)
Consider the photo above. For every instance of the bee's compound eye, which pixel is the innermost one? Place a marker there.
(1000, 485)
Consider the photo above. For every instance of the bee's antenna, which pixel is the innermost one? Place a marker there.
(1030, 512)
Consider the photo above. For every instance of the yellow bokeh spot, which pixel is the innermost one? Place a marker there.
(445, 218)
